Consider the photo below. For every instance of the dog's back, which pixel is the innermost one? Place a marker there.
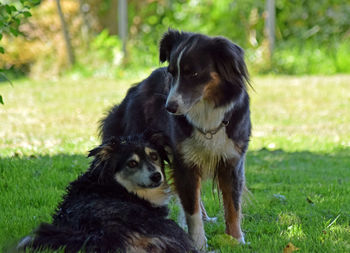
(143, 108)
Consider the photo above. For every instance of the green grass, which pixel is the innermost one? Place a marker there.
(298, 164)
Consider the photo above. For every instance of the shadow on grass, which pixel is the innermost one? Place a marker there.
(279, 182)
(31, 187)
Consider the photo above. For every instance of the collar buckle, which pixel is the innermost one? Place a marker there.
(210, 133)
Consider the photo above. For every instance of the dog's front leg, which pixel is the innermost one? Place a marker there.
(231, 182)
(188, 187)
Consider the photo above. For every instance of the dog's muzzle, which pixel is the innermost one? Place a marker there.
(172, 106)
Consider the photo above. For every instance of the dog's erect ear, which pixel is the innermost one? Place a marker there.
(162, 143)
(229, 60)
(170, 40)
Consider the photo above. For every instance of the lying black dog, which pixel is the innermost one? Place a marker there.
(118, 205)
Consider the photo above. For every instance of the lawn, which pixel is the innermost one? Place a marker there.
(298, 164)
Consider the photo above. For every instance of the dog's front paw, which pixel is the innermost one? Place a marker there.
(241, 240)
(196, 230)
(200, 241)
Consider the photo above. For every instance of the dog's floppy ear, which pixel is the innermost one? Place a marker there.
(229, 61)
(101, 163)
(95, 151)
(169, 41)
(103, 151)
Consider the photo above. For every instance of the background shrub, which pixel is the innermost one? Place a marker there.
(312, 37)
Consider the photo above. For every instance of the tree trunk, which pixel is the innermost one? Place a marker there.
(65, 31)
(109, 18)
(85, 28)
(270, 25)
(123, 24)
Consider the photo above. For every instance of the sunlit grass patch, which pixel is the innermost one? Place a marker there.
(297, 169)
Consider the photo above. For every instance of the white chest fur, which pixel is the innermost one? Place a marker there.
(202, 152)
(206, 154)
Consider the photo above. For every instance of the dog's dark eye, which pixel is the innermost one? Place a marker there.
(171, 71)
(154, 156)
(190, 73)
(195, 74)
(132, 164)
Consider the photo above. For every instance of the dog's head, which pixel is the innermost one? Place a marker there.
(133, 162)
(209, 68)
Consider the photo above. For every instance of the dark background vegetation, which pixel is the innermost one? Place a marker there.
(312, 37)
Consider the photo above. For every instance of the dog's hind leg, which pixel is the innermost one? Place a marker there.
(205, 216)
(25, 242)
(231, 182)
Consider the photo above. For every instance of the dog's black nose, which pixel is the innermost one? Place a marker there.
(171, 107)
(156, 177)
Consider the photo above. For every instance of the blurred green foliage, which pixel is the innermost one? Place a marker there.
(104, 57)
(312, 37)
(11, 14)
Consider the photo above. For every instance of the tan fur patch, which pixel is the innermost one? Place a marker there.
(198, 195)
(232, 216)
(143, 244)
(135, 157)
(148, 150)
(212, 91)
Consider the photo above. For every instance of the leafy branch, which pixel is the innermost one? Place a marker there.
(11, 15)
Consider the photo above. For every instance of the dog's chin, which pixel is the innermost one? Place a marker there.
(185, 111)
(152, 185)
(182, 111)
(176, 113)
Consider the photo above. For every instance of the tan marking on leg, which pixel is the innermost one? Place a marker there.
(198, 195)
(232, 216)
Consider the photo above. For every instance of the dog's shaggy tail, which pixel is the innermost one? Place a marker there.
(49, 236)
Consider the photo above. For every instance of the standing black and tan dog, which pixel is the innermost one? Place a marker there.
(201, 102)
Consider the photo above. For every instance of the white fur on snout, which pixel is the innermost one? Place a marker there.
(174, 95)
(139, 179)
